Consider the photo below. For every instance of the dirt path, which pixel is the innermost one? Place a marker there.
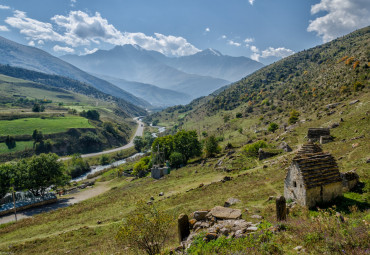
(139, 132)
(99, 188)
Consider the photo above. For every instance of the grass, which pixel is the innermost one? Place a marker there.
(47, 125)
(20, 147)
(90, 226)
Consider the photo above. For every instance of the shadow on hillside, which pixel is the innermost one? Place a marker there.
(344, 205)
(61, 203)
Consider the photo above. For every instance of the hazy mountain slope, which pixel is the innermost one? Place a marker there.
(153, 94)
(71, 85)
(14, 54)
(212, 63)
(136, 64)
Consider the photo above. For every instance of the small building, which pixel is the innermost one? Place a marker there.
(158, 172)
(313, 177)
(314, 134)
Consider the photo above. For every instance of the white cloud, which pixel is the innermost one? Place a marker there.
(58, 48)
(254, 49)
(231, 42)
(40, 42)
(270, 52)
(4, 7)
(223, 36)
(340, 17)
(31, 43)
(87, 51)
(249, 40)
(73, 3)
(251, 1)
(4, 29)
(207, 29)
(80, 29)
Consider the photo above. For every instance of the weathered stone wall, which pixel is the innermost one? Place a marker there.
(314, 133)
(293, 185)
(158, 173)
(324, 193)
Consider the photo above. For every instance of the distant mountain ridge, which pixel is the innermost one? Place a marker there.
(14, 54)
(156, 96)
(195, 75)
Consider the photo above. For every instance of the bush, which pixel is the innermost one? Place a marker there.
(273, 127)
(104, 160)
(146, 229)
(10, 142)
(252, 149)
(211, 146)
(293, 118)
(177, 159)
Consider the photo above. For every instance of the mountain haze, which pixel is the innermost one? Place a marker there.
(14, 54)
(153, 94)
(196, 75)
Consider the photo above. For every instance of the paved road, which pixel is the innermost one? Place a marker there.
(68, 200)
(139, 132)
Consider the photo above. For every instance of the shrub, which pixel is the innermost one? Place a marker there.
(104, 160)
(293, 118)
(177, 159)
(10, 142)
(252, 149)
(273, 127)
(211, 146)
(146, 229)
(239, 115)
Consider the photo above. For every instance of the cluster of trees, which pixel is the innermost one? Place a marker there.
(144, 143)
(39, 144)
(38, 107)
(77, 166)
(36, 174)
(183, 143)
(10, 142)
(90, 114)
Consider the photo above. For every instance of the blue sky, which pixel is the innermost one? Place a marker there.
(265, 30)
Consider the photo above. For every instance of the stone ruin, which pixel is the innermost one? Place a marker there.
(350, 180)
(158, 172)
(314, 134)
(313, 177)
(220, 221)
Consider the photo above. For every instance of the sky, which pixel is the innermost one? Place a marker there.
(264, 30)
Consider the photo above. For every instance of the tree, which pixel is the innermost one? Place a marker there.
(10, 142)
(252, 149)
(92, 115)
(5, 171)
(177, 159)
(211, 146)
(273, 127)
(146, 229)
(138, 143)
(186, 142)
(78, 166)
(293, 118)
(44, 171)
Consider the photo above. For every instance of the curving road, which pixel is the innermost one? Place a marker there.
(139, 132)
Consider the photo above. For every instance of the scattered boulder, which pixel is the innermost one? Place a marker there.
(231, 201)
(259, 217)
(152, 198)
(332, 106)
(226, 179)
(161, 194)
(368, 160)
(334, 125)
(225, 213)
(354, 102)
(285, 147)
(298, 248)
(200, 215)
(355, 145)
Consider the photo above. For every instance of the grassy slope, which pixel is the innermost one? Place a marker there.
(20, 146)
(79, 231)
(46, 125)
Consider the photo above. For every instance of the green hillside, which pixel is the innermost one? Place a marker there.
(60, 123)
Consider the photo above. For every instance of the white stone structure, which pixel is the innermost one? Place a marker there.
(313, 177)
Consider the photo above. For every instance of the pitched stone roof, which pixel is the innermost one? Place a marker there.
(317, 167)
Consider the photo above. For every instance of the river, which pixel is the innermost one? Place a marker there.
(98, 168)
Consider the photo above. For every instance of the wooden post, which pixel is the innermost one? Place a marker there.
(15, 210)
(183, 227)
(281, 208)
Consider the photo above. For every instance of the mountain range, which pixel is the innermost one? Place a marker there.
(195, 75)
(31, 58)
